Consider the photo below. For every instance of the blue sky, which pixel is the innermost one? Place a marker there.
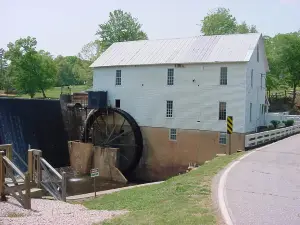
(64, 26)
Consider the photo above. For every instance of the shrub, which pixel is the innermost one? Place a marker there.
(275, 123)
(289, 123)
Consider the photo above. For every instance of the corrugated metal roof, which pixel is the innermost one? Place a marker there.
(200, 49)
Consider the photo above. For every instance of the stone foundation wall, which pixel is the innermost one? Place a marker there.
(163, 158)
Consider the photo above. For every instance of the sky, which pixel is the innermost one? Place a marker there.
(62, 27)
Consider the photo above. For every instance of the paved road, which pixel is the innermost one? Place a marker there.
(264, 188)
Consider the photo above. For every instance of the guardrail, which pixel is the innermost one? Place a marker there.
(252, 140)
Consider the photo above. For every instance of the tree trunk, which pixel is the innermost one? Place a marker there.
(44, 95)
(294, 94)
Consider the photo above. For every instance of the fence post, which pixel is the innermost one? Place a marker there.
(2, 177)
(30, 164)
(36, 168)
(39, 169)
(64, 187)
(27, 199)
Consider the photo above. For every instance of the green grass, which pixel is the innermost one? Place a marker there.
(55, 92)
(184, 199)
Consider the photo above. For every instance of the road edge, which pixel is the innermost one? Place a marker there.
(221, 195)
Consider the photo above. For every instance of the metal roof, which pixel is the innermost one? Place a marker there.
(200, 49)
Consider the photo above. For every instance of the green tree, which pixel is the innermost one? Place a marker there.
(285, 59)
(120, 27)
(72, 70)
(3, 67)
(243, 28)
(221, 21)
(33, 70)
(90, 52)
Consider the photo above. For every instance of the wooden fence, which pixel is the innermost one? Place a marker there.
(10, 185)
(252, 140)
(44, 175)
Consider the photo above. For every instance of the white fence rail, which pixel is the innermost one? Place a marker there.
(296, 118)
(281, 117)
(252, 140)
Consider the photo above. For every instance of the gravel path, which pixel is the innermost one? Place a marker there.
(50, 212)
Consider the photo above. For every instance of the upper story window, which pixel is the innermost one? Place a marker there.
(170, 79)
(222, 110)
(257, 53)
(173, 134)
(118, 78)
(169, 112)
(252, 78)
(223, 76)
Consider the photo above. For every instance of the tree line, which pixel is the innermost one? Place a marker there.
(28, 70)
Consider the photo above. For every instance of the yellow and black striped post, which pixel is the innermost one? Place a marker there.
(229, 124)
(229, 132)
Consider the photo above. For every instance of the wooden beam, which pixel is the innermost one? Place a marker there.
(30, 164)
(64, 187)
(27, 198)
(13, 166)
(2, 177)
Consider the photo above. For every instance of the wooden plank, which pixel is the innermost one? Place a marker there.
(51, 168)
(27, 199)
(30, 164)
(64, 187)
(7, 148)
(13, 166)
(15, 188)
(2, 177)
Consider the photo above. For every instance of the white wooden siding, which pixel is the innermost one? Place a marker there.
(256, 94)
(144, 92)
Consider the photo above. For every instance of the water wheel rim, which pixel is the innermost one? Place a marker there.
(135, 131)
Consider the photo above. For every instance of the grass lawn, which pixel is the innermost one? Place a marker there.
(55, 92)
(184, 199)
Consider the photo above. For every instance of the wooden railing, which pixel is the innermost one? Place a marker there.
(252, 140)
(15, 187)
(44, 175)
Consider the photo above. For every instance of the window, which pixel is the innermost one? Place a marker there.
(250, 112)
(223, 76)
(261, 80)
(257, 53)
(222, 110)
(169, 109)
(170, 79)
(252, 78)
(117, 103)
(223, 138)
(118, 78)
(173, 134)
(262, 109)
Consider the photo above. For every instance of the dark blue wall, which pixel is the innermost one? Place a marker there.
(35, 122)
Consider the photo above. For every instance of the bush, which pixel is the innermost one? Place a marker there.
(288, 123)
(275, 123)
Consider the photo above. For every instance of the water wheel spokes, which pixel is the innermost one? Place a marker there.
(114, 128)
